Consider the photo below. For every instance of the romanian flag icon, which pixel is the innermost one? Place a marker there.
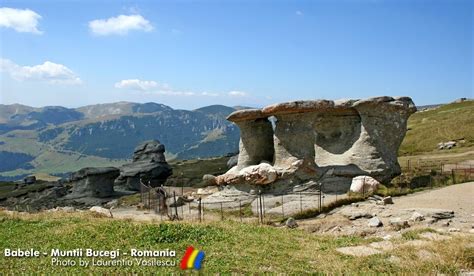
(192, 258)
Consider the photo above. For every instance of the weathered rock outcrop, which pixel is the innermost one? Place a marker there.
(364, 184)
(149, 164)
(336, 139)
(94, 182)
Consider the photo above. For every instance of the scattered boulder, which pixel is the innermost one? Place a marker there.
(417, 217)
(291, 223)
(387, 200)
(398, 223)
(101, 210)
(149, 166)
(358, 215)
(112, 204)
(94, 182)
(446, 145)
(29, 180)
(206, 191)
(454, 230)
(364, 184)
(66, 209)
(443, 215)
(375, 222)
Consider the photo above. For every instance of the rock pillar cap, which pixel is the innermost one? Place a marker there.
(246, 115)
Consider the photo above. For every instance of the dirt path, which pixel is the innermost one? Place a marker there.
(459, 198)
(438, 155)
(426, 205)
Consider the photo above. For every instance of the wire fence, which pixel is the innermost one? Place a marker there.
(433, 173)
(172, 203)
(177, 203)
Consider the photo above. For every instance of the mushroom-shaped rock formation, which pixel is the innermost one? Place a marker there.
(149, 164)
(256, 134)
(94, 182)
(327, 141)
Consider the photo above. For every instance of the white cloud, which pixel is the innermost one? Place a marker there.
(120, 25)
(149, 87)
(237, 94)
(48, 71)
(23, 21)
(210, 94)
(136, 84)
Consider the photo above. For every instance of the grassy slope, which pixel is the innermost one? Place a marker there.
(230, 247)
(428, 128)
(190, 172)
(48, 160)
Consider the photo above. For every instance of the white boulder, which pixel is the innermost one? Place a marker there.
(260, 174)
(101, 210)
(364, 184)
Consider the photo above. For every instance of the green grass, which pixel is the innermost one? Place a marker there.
(415, 234)
(130, 200)
(314, 212)
(230, 247)
(189, 173)
(428, 128)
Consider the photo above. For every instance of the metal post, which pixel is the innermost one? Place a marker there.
(222, 213)
(452, 175)
(301, 204)
(321, 197)
(240, 210)
(175, 204)
(199, 209)
(261, 207)
(149, 198)
(263, 203)
(363, 187)
(282, 208)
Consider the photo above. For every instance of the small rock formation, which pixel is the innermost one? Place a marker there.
(94, 182)
(446, 145)
(306, 140)
(417, 217)
(291, 223)
(29, 180)
(102, 211)
(149, 164)
(364, 184)
(374, 222)
(398, 223)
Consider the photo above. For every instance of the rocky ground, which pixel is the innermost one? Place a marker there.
(448, 209)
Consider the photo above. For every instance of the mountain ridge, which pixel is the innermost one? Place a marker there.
(106, 134)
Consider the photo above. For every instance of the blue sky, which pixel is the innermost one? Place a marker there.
(189, 54)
